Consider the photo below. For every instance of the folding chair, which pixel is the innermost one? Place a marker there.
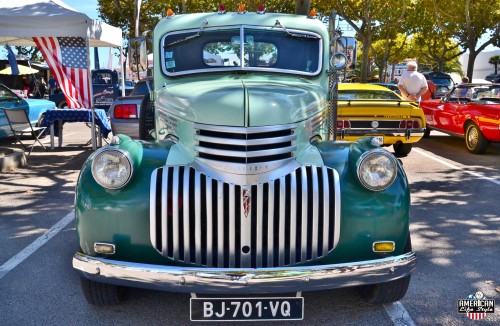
(20, 125)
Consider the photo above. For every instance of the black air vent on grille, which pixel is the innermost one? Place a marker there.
(245, 145)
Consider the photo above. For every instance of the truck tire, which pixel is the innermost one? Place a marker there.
(387, 292)
(147, 119)
(101, 294)
(401, 149)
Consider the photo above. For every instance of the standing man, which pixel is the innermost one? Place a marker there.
(412, 84)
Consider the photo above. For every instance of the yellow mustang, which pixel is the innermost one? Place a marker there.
(373, 110)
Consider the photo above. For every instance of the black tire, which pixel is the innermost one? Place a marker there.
(427, 132)
(147, 119)
(401, 149)
(474, 139)
(101, 294)
(387, 292)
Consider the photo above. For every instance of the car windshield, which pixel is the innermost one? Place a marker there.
(264, 49)
(443, 82)
(142, 88)
(367, 95)
(476, 92)
(6, 95)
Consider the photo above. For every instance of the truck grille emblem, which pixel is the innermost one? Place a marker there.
(246, 195)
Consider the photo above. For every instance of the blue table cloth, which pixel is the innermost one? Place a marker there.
(76, 115)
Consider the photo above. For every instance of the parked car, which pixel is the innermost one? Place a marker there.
(125, 112)
(129, 86)
(443, 81)
(34, 107)
(493, 78)
(471, 111)
(375, 110)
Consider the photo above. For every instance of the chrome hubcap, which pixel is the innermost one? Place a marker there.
(472, 137)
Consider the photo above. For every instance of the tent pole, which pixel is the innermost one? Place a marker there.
(89, 73)
(121, 69)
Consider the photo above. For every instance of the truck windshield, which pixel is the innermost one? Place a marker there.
(262, 49)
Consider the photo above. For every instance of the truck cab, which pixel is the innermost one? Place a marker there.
(243, 190)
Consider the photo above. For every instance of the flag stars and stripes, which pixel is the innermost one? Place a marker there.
(73, 52)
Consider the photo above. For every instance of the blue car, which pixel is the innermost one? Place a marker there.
(35, 108)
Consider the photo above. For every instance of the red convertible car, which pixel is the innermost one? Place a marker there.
(471, 111)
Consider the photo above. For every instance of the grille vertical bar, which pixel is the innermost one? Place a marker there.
(198, 220)
(210, 222)
(293, 217)
(304, 215)
(220, 224)
(282, 214)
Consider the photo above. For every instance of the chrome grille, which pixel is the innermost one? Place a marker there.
(198, 220)
(245, 145)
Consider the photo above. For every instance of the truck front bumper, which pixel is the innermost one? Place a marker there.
(237, 281)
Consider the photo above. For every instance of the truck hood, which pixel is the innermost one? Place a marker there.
(242, 103)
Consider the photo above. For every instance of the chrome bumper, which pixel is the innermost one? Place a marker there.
(231, 280)
(381, 132)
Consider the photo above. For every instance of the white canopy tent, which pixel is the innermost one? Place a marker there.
(22, 20)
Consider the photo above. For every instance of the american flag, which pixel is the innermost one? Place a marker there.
(68, 61)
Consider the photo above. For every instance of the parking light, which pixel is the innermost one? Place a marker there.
(170, 13)
(104, 248)
(222, 9)
(241, 9)
(384, 246)
(261, 10)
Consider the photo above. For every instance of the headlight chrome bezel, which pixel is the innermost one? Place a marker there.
(125, 158)
(391, 173)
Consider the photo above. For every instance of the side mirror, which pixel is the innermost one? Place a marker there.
(138, 54)
(347, 46)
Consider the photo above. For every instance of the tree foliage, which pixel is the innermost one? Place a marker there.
(495, 61)
(435, 32)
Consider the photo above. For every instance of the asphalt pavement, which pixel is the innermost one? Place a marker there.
(47, 174)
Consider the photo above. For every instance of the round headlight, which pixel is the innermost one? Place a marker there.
(111, 168)
(377, 169)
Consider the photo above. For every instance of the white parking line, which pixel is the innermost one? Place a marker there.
(398, 314)
(440, 160)
(26, 252)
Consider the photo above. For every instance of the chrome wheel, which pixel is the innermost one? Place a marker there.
(474, 139)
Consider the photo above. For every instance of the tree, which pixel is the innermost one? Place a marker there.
(495, 61)
(121, 13)
(390, 52)
(467, 23)
(366, 17)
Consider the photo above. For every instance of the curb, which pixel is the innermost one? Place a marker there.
(11, 159)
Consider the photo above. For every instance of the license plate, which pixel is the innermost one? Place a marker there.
(241, 309)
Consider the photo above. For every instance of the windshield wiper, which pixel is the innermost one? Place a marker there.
(187, 38)
(296, 35)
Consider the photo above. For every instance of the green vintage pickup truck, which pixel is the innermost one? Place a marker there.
(243, 190)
